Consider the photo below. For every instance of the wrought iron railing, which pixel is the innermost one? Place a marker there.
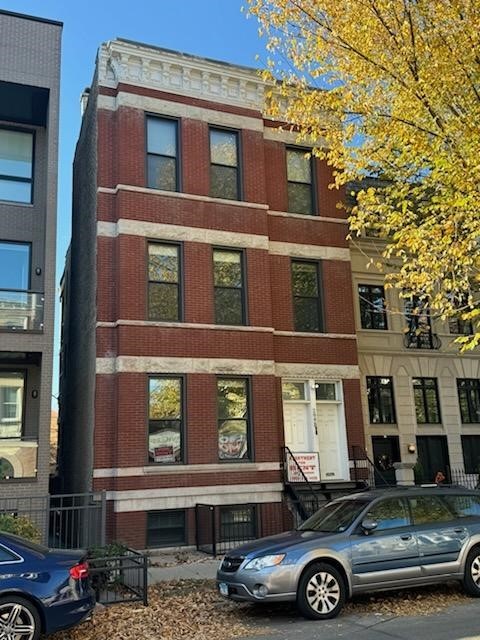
(121, 578)
(216, 536)
(421, 340)
(365, 470)
(21, 310)
(306, 502)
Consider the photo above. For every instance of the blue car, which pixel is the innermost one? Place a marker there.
(41, 590)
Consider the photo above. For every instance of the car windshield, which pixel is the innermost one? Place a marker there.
(334, 517)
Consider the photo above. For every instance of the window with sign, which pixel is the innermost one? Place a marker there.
(233, 419)
(165, 421)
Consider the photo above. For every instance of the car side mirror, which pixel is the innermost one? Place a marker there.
(369, 525)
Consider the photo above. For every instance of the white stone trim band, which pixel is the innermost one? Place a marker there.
(148, 364)
(188, 497)
(169, 470)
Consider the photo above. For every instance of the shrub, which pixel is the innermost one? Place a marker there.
(20, 526)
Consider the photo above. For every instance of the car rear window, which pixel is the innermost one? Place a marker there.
(26, 544)
(465, 506)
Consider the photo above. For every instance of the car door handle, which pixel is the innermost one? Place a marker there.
(406, 536)
(459, 530)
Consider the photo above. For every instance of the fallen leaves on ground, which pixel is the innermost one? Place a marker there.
(182, 609)
(423, 601)
(193, 609)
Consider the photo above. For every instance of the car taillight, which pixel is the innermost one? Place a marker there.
(79, 571)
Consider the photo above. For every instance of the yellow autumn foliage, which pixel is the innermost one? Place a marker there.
(388, 92)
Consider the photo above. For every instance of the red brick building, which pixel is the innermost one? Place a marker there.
(208, 313)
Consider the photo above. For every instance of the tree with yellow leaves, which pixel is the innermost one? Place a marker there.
(388, 91)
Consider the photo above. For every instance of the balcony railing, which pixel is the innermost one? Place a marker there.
(18, 458)
(21, 310)
(421, 340)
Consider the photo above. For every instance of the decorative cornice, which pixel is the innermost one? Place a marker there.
(121, 61)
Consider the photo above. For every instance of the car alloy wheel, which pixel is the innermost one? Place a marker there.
(19, 619)
(471, 580)
(321, 592)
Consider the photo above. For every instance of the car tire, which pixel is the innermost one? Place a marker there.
(321, 592)
(471, 579)
(17, 612)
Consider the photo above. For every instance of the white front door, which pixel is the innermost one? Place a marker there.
(314, 422)
(297, 436)
(328, 432)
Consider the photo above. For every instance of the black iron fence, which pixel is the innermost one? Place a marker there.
(459, 477)
(364, 470)
(70, 521)
(221, 528)
(122, 578)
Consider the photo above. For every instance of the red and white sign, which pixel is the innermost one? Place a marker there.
(308, 463)
(163, 454)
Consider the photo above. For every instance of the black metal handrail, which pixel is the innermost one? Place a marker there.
(421, 340)
(287, 452)
(364, 456)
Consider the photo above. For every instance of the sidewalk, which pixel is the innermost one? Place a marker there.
(182, 566)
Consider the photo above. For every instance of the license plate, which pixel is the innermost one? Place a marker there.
(223, 588)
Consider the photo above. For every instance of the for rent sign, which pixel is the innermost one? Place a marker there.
(308, 463)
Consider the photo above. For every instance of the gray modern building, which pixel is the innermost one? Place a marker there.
(29, 99)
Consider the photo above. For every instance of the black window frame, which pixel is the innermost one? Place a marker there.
(254, 528)
(238, 166)
(471, 451)
(368, 310)
(178, 164)
(30, 180)
(425, 384)
(172, 542)
(312, 183)
(242, 288)
(26, 244)
(373, 389)
(470, 385)
(319, 297)
(179, 284)
(250, 455)
(183, 418)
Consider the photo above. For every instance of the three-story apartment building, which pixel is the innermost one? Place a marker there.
(208, 302)
(421, 397)
(29, 96)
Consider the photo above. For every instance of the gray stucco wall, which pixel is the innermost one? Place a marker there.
(30, 55)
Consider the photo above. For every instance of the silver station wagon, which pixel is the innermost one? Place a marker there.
(371, 541)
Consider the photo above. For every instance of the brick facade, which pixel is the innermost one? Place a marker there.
(129, 347)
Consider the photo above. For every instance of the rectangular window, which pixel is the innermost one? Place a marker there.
(469, 399)
(381, 404)
(14, 266)
(162, 154)
(165, 420)
(233, 419)
(300, 182)
(166, 528)
(307, 299)
(373, 314)
(471, 453)
(224, 163)
(12, 389)
(229, 290)
(460, 327)
(427, 405)
(164, 280)
(16, 165)
(238, 523)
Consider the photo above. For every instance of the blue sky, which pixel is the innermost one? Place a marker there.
(210, 28)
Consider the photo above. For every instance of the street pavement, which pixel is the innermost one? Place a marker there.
(460, 622)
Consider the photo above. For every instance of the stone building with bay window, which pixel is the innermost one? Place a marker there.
(208, 312)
